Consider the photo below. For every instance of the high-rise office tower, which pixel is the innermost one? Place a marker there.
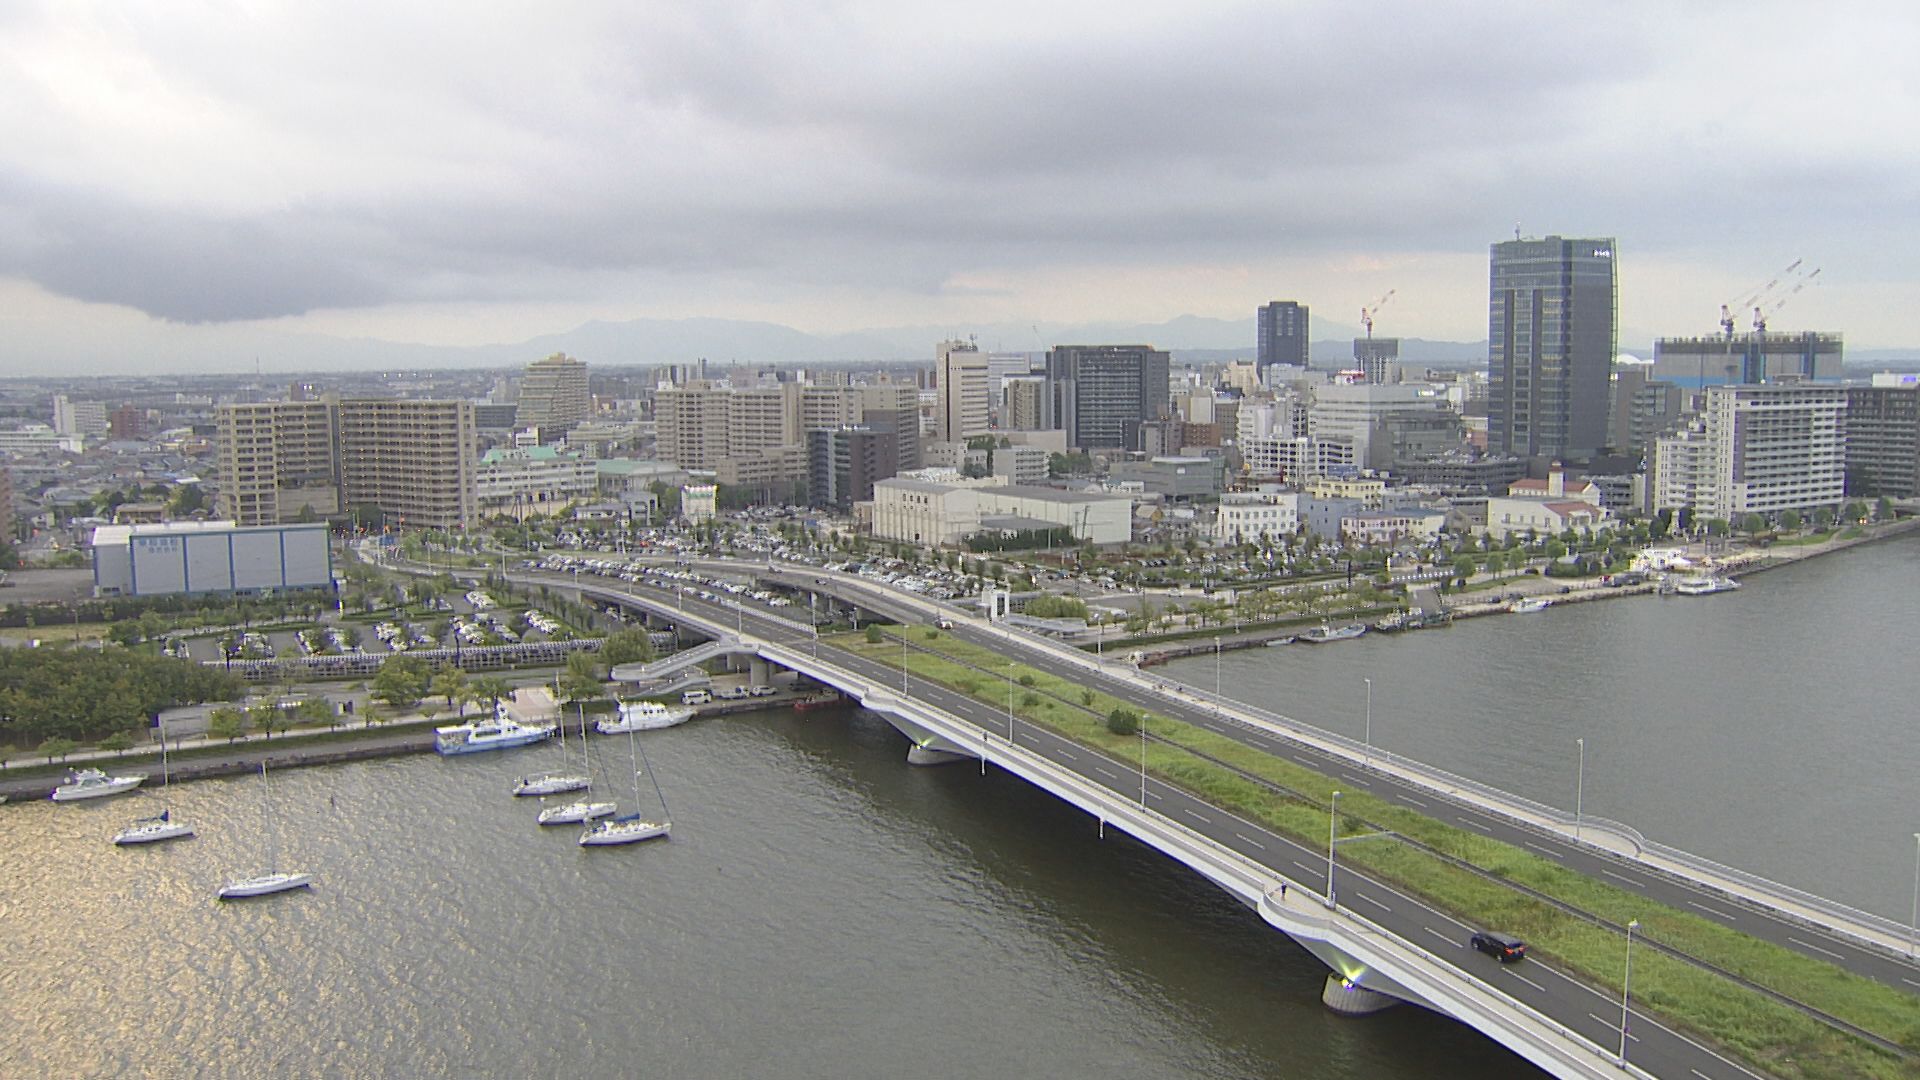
(1281, 335)
(1550, 343)
(1104, 393)
(966, 392)
(553, 395)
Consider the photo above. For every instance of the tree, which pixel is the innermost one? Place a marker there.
(581, 680)
(226, 723)
(1123, 721)
(315, 710)
(401, 682)
(1823, 518)
(117, 742)
(874, 635)
(1790, 520)
(492, 689)
(57, 747)
(1556, 549)
(267, 717)
(630, 646)
(1086, 697)
(1463, 566)
(451, 683)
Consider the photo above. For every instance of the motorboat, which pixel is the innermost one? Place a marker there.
(274, 880)
(1529, 605)
(643, 716)
(265, 885)
(552, 783)
(94, 784)
(502, 732)
(578, 812)
(1279, 641)
(1703, 586)
(1324, 633)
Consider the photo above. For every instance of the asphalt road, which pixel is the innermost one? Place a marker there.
(1592, 1014)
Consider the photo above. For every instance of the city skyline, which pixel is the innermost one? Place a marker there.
(185, 186)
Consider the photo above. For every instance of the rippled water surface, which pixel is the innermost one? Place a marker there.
(822, 911)
(1773, 728)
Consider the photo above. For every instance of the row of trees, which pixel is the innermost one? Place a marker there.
(88, 695)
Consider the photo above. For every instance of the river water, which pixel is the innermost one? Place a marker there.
(1771, 728)
(823, 910)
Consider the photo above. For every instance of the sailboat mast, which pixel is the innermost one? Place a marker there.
(266, 806)
(651, 775)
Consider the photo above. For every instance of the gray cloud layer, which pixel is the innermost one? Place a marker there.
(211, 168)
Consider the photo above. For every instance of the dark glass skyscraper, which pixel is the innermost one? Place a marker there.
(1105, 392)
(1551, 343)
(1281, 335)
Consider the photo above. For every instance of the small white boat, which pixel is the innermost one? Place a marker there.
(1703, 586)
(1529, 605)
(553, 783)
(502, 732)
(265, 885)
(630, 828)
(273, 881)
(94, 784)
(643, 716)
(153, 829)
(576, 813)
(1325, 633)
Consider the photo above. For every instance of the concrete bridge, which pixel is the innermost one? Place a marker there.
(1381, 946)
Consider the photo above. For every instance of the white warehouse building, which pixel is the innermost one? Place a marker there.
(936, 513)
(209, 557)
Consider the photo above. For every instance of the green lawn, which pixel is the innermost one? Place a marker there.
(1490, 888)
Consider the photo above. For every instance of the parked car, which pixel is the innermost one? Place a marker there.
(695, 697)
(1502, 947)
(762, 691)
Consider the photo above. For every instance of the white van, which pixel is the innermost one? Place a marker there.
(695, 697)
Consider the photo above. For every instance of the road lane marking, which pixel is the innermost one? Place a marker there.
(1411, 800)
(1538, 848)
(1472, 824)
(1155, 795)
(1315, 871)
(1617, 877)
(1251, 840)
(1106, 772)
(1710, 911)
(1442, 937)
(1524, 979)
(1815, 948)
(1615, 1025)
(1701, 1075)
(1908, 981)
(1197, 816)
(1372, 901)
(1352, 779)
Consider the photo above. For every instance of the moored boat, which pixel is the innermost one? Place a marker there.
(1324, 633)
(94, 784)
(161, 826)
(502, 732)
(576, 813)
(265, 885)
(1529, 605)
(1703, 586)
(643, 716)
(552, 783)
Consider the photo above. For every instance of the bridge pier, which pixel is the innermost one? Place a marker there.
(1349, 998)
(759, 672)
(929, 747)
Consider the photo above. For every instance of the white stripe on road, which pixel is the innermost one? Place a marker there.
(1351, 779)
(1538, 848)
(1815, 948)
(1908, 981)
(1372, 901)
(1198, 817)
(1314, 870)
(1472, 824)
(1068, 754)
(1411, 800)
(1711, 911)
(1617, 877)
(1526, 980)
(1442, 937)
(1106, 772)
(1615, 1025)
(1251, 840)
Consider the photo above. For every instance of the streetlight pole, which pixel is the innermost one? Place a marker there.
(1333, 827)
(1579, 787)
(1369, 728)
(1009, 701)
(903, 662)
(1216, 665)
(1913, 932)
(1626, 991)
(1143, 763)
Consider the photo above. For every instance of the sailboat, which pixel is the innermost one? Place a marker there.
(556, 783)
(273, 881)
(630, 828)
(149, 830)
(579, 811)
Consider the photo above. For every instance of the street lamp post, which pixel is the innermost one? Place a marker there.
(1143, 763)
(1333, 828)
(1626, 991)
(1368, 736)
(1009, 701)
(1913, 931)
(1216, 665)
(1579, 788)
(903, 663)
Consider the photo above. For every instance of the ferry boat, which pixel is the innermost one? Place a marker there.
(94, 784)
(643, 716)
(1703, 586)
(1529, 605)
(502, 732)
(1324, 633)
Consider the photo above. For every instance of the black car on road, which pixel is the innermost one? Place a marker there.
(1502, 947)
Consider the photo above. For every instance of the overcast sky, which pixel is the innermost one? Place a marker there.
(448, 174)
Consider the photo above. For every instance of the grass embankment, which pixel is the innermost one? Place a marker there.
(296, 738)
(1766, 1033)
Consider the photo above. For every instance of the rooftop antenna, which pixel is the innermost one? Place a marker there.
(1516, 230)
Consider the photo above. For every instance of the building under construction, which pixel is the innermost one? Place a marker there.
(1759, 357)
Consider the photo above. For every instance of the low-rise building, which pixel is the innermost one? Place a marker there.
(209, 557)
(1250, 516)
(1546, 507)
(537, 480)
(942, 513)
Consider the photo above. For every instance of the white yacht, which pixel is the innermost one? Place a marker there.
(552, 783)
(94, 784)
(576, 813)
(161, 826)
(1703, 586)
(273, 881)
(630, 828)
(1529, 605)
(643, 716)
(502, 732)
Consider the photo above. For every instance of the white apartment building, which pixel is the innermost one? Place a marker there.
(1246, 516)
(1756, 449)
(277, 461)
(78, 417)
(1020, 465)
(539, 480)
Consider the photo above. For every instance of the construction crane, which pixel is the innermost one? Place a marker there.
(1756, 296)
(1762, 312)
(1367, 313)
